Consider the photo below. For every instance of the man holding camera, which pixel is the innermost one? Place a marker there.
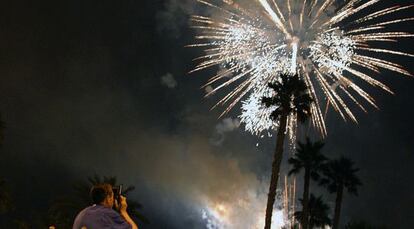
(101, 215)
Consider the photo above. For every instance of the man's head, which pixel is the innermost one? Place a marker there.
(102, 194)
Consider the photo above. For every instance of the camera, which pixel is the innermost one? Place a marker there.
(117, 192)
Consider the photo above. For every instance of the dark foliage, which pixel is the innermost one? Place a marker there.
(318, 212)
(308, 156)
(291, 97)
(341, 173)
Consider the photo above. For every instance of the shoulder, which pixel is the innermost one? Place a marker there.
(81, 218)
(115, 219)
(92, 215)
(82, 213)
(100, 217)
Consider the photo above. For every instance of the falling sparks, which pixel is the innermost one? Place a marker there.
(255, 115)
(328, 46)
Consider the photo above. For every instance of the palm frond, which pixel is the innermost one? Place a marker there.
(291, 96)
(318, 212)
(341, 173)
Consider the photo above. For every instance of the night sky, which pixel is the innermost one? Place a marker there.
(102, 87)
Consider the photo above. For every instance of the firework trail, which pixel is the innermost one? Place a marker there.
(332, 48)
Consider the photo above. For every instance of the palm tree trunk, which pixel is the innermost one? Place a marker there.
(338, 204)
(305, 198)
(277, 160)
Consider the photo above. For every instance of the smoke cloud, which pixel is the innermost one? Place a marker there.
(174, 17)
(168, 80)
(225, 126)
(224, 193)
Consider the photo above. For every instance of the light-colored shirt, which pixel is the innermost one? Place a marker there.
(100, 217)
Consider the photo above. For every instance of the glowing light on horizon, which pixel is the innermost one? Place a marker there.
(215, 219)
(226, 215)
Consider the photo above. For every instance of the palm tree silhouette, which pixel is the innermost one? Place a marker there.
(318, 213)
(63, 210)
(338, 175)
(308, 157)
(291, 97)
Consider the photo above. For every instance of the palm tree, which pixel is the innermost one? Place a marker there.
(291, 98)
(338, 175)
(318, 213)
(63, 210)
(308, 157)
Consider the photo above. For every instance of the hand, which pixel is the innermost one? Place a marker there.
(123, 211)
(123, 205)
(116, 205)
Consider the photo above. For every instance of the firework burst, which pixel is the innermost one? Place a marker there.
(330, 47)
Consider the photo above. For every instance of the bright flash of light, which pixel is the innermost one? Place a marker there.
(248, 212)
(332, 48)
(217, 219)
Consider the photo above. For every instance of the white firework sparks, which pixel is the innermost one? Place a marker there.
(321, 42)
(332, 52)
(255, 115)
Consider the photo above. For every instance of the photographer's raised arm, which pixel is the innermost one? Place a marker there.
(124, 213)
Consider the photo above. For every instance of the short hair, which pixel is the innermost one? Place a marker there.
(99, 192)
